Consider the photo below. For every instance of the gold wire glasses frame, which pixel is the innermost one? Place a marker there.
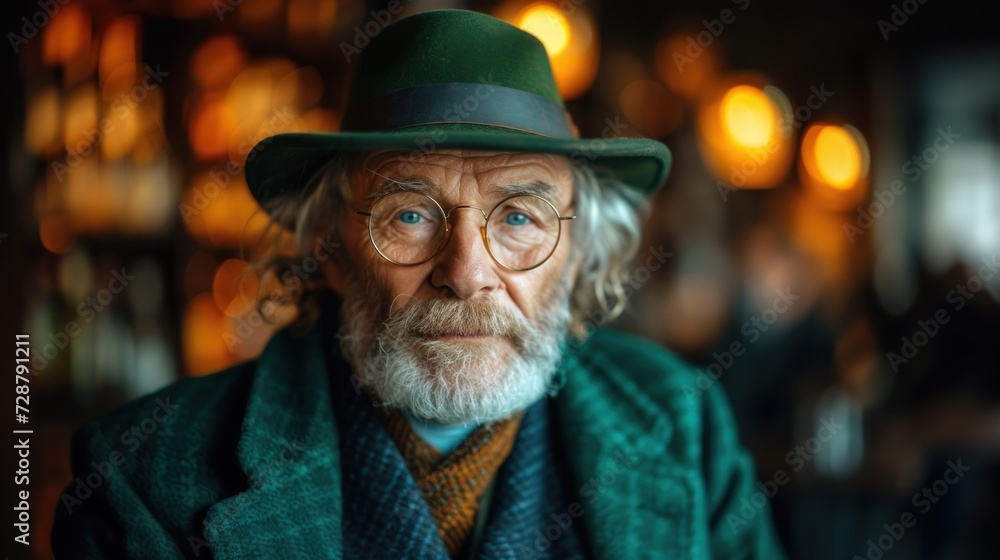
(442, 237)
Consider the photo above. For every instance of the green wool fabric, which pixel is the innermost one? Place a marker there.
(422, 50)
(245, 463)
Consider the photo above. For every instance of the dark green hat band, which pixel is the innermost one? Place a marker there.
(460, 103)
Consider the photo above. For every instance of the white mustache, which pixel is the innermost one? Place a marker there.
(436, 318)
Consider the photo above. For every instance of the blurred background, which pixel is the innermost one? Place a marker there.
(832, 222)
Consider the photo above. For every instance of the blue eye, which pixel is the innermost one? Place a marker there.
(516, 219)
(410, 217)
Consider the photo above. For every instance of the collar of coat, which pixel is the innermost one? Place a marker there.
(625, 459)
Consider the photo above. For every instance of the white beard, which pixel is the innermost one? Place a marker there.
(452, 381)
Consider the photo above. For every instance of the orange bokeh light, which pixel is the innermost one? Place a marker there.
(55, 234)
(744, 133)
(685, 75)
(547, 22)
(212, 121)
(838, 157)
(219, 210)
(234, 288)
(117, 62)
(569, 34)
(302, 87)
(92, 196)
(198, 273)
(834, 165)
(41, 123)
(67, 36)
(749, 116)
(203, 334)
(80, 130)
(217, 61)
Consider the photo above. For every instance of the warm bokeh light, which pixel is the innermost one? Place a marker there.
(118, 61)
(834, 164)
(744, 133)
(118, 83)
(137, 129)
(294, 89)
(118, 141)
(250, 92)
(838, 157)
(55, 234)
(41, 124)
(93, 195)
(150, 145)
(569, 34)
(234, 288)
(266, 98)
(749, 116)
(311, 20)
(149, 203)
(819, 233)
(212, 121)
(649, 106)
(67, 36)
(198, 273)
(687, 76)
(302, 87)
(80, 130)
(219, 210)
(547, 22)
(217, 61)
(261, 101)
(203, 334)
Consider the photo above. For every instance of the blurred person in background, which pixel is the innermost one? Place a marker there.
(447, 389)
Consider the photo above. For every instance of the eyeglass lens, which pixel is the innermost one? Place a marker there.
(409, 228)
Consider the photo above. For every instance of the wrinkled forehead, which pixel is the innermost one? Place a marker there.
(448, 171)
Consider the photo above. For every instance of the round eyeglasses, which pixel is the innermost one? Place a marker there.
(409, 228)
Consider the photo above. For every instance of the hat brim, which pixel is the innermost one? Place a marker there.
(286, 163)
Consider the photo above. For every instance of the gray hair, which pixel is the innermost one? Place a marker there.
(606, 237)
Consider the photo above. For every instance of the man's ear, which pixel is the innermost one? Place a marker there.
(334, 274)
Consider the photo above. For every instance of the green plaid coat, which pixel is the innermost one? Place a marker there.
(245, 463)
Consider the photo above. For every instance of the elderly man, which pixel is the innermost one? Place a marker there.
(446, 390)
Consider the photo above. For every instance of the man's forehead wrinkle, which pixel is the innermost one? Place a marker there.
(467, 176)
(376, 184)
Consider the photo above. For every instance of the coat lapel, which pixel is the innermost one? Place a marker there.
(636, 495)
(637, 498)
(385, 514)
(292, 508)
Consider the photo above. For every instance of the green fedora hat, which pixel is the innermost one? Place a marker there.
(447, 79)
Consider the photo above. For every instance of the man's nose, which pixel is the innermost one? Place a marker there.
(464, 266)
